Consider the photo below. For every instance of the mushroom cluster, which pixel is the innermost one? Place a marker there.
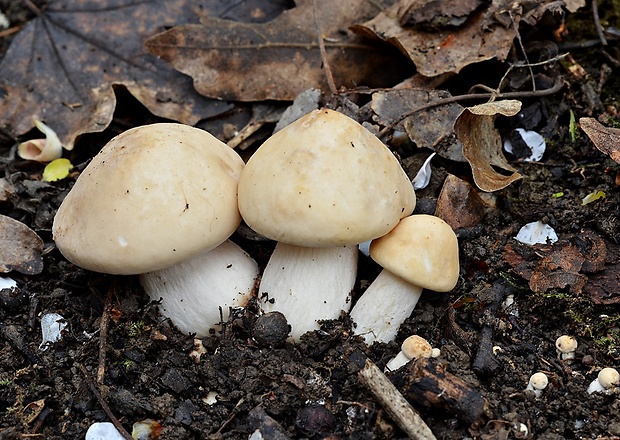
(162, 200)
(319, 187)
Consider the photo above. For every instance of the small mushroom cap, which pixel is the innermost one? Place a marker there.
(415, 347)
(423, 250)
(566, 344)
(609, 377)
(539, 381)
(154, 196)
(324, 181)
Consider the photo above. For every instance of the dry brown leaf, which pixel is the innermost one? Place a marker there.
(62, 66)
(436, 14)
(459, 205)
(482, 144)
(279, 59)
(430, 128)
(580, 262)
(20, 248)
(574, 5)
(604, 138)
(602, 287)
(439, 51)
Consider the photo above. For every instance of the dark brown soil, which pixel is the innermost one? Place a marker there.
(311, 389)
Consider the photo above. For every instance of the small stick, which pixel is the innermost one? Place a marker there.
(597, 23)
(399, 409)
(458, 98)
(104, 405)
(328, 70)
(103, 334)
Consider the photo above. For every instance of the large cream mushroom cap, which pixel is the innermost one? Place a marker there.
(154, 196)
(324, 181)
(423, 250)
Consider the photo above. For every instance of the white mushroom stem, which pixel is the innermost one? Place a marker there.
(308, 284)
(383, 307)
(192, 292)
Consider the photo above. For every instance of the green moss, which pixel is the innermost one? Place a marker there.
(136, 328)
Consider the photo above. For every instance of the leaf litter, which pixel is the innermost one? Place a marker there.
(279, 59)
(63, 66)
(308, 390)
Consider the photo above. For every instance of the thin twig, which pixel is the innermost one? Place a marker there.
(326, 67)
(10, 31)
(527, 62)
(559, 83)
(103, 404)
(399, 409)
(103, 334)
(597, 23)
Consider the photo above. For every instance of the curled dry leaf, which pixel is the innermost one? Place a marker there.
(41, 150)
(20, 248)
(449, 49)
(605, 139)
(482, 144)
(281, 58)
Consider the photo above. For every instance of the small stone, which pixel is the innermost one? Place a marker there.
(271, 329)
(315, 419)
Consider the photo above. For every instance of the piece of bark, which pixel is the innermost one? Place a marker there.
(485, 363)
(398, 408)
(426, 383)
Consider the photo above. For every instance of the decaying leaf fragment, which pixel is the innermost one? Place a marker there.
(436, 14)
(431, 128)
(482, 144)
(20, 248)
(446, 49)
(281, 58)
(605, 139)
(578, 262)
(459, 204)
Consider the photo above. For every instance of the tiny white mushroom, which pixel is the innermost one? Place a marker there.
(103, 431)
(414, 347)
(538, 382)
(565, 346)
(607, 381)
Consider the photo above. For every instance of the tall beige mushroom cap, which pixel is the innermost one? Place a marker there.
(423, 250)
(154, 196)
(420, 253)
(324, 181)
